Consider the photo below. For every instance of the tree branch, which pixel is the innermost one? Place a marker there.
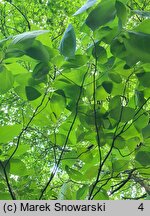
(53, 173)
(24, 16)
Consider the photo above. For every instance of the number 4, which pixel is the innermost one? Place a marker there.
(141, 207)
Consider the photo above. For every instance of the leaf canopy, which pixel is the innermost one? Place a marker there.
(74, 100)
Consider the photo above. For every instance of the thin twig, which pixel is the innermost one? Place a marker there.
(53, 173)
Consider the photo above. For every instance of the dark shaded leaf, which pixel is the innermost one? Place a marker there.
(138, 45)
(99, 53)
(38, 51)
(14, 52)
(146, 131)
(32, 93)
(120, 143)
(40, 71)
(143, 157)
(144, 79)
(120, 165)
(115, 102)
(123, 115)
(107, 85)
(68, 42)
(115, 77)
(102, 14)
(139, 98)
(121, 11)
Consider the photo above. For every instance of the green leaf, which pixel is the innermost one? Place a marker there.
(120, 142)
(27, 35)
(32, 93)
(38, 51)
(121, 11)
(119, 44)
(131, 143)
(147, 197)
(58, 139)
(127, 114)
(58, 103)
(143, 26)
(81, 193)
(107, 85)
(102, 14)
(102, 195)
(139, 98)
(65, 192)
(131, 133)
(23, 78)
(69, 90)
(74, 174)
(16, 68)
(87, 5)
(143, 157)
(20, 90)
(75, 74)
(40, 71)
(22, 149)
(14, 52)
(6, 80)
(123, 115)
(115, 102)
(5, 164)
(101, 93)
(8, 132)
(99, 53)
(146, 131)
(142, 122)
(120, 165)
(115, 77)
(17, 167)
(144, 79)
(68, 42)
(91, 172)
(77, 61)
(5, 196)
(138, 44)
(58, 60)
(118, 49)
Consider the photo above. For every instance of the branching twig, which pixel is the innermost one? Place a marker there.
(124, 182)
(53, 173)
(142, 183)
(91, 195)
(19, 138)
(28, 23)
(135, 198)
(95, 122)
(12, 194)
